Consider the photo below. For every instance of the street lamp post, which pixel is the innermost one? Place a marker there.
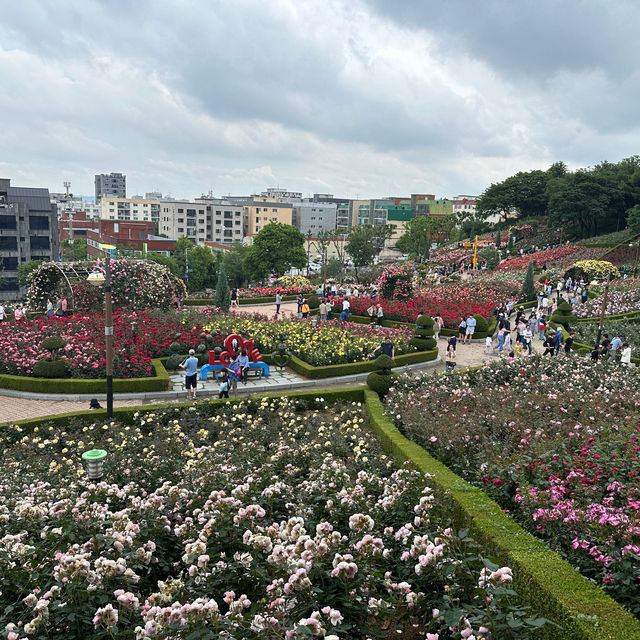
(97, 278)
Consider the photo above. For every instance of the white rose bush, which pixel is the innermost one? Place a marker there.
(266, 518)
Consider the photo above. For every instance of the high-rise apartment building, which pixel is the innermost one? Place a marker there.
(111, 185)
(263, 211)
(28, 231)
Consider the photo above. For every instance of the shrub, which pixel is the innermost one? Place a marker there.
(223, 295)
(563, 315)
(176, 347)
(423, 344)
(53, 343)
(174, 361)
(592, 270)
(528, 288)
(380, 383)
(482, 326)
(313, 301)
(46, 368)
(424, 321)
(384, 363)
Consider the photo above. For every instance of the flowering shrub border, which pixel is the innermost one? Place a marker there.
(543, 578)
(546, 581)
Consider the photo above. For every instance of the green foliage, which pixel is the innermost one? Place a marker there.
(276, 249)
(424, 321)
(423, 344)
(223, 295)
(482, 326)
(421, 232)
(563, 315)
(361, 247)
(510, 243)
(384, 363)
(528, 288)
(234, 262)
(334, 267)
(633, 219)
(25, 270)
(75, 250)
(167, 261)
(498, 239)
(174, 361)
(380, 383)
(46, 368)
(491, 255)
(52, 344)
(313, 301)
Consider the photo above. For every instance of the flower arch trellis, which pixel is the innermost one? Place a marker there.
(48, 277)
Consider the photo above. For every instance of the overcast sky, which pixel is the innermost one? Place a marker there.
(358, 98)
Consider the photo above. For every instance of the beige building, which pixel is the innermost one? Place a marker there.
(262, 211)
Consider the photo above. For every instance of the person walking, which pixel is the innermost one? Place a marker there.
(223, 389)
(549, 345)
(305, 309)
(278, 302)
(300, 301)
(63, 304)
(323, 311)
(380, 315)
(542, 326)
(346, 304)
(471, 327)
(234, 298)
(49, 307)
(527, 339)
(568, 343)
(438, 323)
(19, 313)
(371, 312)
(462, 329)
(450, 363)
(190, 366)
(558, 340)
(625, 357)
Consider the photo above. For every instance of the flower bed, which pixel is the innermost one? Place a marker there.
(270, 292)
(618, 301)
(554, 441)
(451, 301)
(277, 520)
(557, 257)
(627, 331)
(138, 337)
(329, 343)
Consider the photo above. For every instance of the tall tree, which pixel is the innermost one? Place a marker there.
(167, 261)
(361, 246)
(421, 232)
(528, 288)
(223, 296)
(633, 221)
(234, 260)
(276, 248)
(498, 237)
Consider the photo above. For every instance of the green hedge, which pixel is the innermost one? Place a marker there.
(125, 414)
(159, 382)
(334, 370)
(550, 584)
(209, 302)
(617, 316)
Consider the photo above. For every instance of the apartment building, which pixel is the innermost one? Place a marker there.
(110, 185)
(262, 211)
(314, 217)
(28, 231)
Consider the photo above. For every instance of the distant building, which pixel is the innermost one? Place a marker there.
(282, 195)
(464, 205)
(314, 217)
(134, 236)
(262, 211)
(110, 185)
(28, 231)
(69, 202)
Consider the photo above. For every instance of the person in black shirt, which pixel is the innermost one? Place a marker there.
(387, 347)
(568, 343)
(549, 345)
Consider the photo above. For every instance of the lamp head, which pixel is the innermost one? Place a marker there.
(96, 278)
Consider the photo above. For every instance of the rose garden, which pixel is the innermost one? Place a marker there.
(380, 498)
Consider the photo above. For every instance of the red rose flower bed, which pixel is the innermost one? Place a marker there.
(451, 301)
(138, 337)
(548, 256)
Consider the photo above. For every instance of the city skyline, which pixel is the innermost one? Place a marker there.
(365, 98)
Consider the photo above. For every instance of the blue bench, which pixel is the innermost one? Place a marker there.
(262, 369)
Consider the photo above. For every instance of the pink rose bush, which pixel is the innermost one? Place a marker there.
(556, 441)
(268, 518)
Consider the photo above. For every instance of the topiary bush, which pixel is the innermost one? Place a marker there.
(46, 368)
(174, 361)
(380, 383)
(482, 326)
(313, 301)
(423, 344)
(424, 321)
(176, 347)
(563, 315)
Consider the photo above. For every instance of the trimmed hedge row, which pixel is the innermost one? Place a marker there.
(334, 370)
(125, 414)
(550, 584)
(209, 302)
(159, 382)
(617, 316)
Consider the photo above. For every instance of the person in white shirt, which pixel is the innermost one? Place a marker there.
(1, 312)
(625, 357)
(345, 305)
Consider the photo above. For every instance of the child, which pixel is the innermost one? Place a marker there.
(224, 385)
(487, 344)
